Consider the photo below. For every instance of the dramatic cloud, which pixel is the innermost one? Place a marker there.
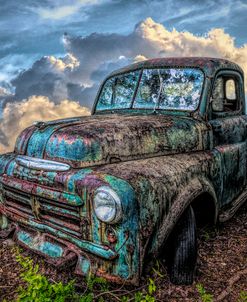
(48, 76)
(151, 39)
(89, 59)
(18, 116)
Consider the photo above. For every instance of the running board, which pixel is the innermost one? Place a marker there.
(235, 205)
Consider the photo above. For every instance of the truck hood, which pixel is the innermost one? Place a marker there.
(101, 139)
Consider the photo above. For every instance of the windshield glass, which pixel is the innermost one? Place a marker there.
(118, 92)
(166, 88)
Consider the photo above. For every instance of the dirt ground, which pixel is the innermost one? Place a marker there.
(222, 267)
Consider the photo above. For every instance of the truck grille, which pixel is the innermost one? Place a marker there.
(55, 214)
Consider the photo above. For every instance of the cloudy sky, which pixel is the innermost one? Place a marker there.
(54, 53)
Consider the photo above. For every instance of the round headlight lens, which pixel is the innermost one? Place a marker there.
(107, 205)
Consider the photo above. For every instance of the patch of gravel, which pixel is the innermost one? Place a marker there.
(222, 267)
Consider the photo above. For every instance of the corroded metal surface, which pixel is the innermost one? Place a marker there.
(157, 164)
(209, 65)
(112, 138)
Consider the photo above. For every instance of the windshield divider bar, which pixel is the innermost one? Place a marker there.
(136, 89)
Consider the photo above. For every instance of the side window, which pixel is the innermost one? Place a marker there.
(225, 96)
(231, 90)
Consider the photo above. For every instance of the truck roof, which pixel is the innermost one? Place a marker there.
(209, 65)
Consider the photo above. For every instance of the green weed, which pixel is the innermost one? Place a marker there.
(243, 296)
(205, 297)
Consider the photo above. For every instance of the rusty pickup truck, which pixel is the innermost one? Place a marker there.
(163, 153)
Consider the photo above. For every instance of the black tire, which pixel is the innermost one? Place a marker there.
(181, 250)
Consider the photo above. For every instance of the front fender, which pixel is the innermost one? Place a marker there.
(191, 191)
(165, 186)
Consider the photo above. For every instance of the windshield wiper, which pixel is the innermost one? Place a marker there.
(159, 94)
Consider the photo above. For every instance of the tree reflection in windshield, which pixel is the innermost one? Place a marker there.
(118, 91)
(177, 89)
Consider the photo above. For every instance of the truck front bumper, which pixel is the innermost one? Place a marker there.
(60, 253)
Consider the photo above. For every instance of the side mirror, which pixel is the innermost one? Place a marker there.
(217, 104)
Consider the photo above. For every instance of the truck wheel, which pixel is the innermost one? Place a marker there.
(182, 250)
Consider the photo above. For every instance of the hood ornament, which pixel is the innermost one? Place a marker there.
(39, 124)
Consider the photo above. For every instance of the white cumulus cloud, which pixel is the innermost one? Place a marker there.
(18, 116)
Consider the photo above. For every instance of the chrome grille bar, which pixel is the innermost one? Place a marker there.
(41, 164)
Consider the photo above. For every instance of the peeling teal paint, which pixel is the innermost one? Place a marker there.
(84, 265)
(48, 248)
(37, 141)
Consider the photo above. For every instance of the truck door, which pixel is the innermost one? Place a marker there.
(228, 121)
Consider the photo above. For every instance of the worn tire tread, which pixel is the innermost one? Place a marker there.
(183, 250)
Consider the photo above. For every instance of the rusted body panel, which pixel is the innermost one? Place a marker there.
(156, 163)
(112, 138)
(209, 65)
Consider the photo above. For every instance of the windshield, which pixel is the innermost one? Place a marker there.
(166, 88)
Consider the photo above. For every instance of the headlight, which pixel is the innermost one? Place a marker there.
(107, 205)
